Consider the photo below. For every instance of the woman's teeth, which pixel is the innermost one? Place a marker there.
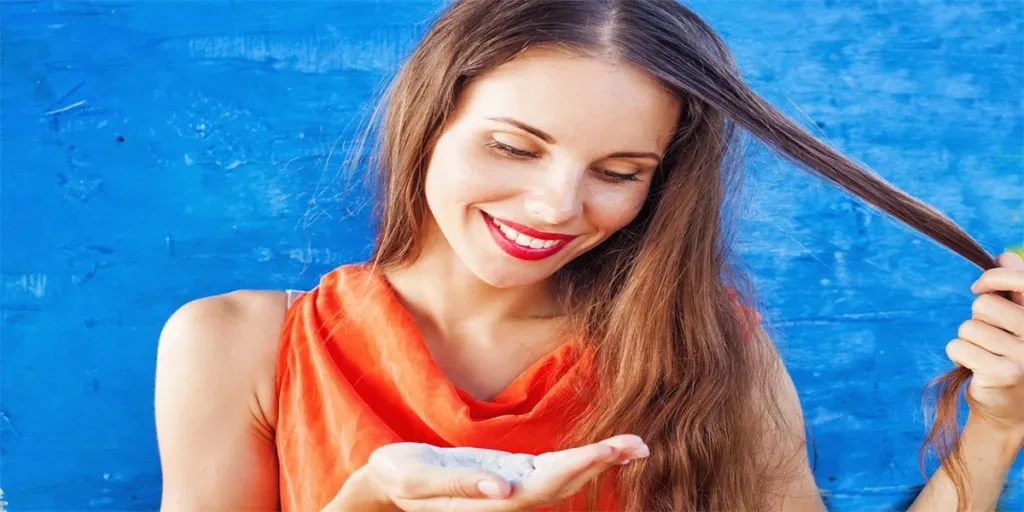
(523, 240)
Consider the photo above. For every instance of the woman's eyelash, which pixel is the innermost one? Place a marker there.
(511, 150)
(522, 153)
(620, 177)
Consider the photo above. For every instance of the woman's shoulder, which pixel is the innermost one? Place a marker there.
(237, 322)
(229, 339)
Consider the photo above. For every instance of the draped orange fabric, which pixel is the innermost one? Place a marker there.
(354, 374)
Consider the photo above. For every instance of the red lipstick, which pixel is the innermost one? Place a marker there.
(523, 252)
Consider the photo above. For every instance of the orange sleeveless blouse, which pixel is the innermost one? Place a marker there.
(354, 374)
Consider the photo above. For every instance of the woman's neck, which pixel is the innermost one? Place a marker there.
(439, 289)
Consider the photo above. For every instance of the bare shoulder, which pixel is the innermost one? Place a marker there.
(215, 402)
(234, 334)
(242, 311)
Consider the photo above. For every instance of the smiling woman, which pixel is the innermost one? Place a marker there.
(545, 143)
(551, 316)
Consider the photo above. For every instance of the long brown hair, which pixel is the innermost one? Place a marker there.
(672, 363)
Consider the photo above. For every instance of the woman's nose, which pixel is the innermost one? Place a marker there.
(558, 197)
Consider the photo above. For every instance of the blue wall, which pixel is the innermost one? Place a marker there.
(156, 152)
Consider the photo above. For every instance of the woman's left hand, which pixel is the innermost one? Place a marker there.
(991, 345)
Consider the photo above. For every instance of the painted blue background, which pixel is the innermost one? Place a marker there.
(157, 152)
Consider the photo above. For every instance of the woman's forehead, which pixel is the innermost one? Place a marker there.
(576, 99)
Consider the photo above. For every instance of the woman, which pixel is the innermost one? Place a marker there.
(550, 316)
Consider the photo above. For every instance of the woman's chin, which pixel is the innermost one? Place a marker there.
(513, 275)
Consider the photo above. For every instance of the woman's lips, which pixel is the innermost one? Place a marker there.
(524, 242)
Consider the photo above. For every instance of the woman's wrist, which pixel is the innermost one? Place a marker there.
(359, 494)
(1009, 438)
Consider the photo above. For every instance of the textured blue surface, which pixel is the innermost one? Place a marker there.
(157, 152)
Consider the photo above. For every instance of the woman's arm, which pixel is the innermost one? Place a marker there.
(991, 345)
(785, 447)
(990, 447)
(990, 454)
(215, 408)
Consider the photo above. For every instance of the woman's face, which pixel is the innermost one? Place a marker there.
(545, 157)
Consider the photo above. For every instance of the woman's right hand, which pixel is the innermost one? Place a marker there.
(423, 478)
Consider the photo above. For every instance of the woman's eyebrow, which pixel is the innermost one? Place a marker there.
(636, 154)
(551, 140)
(525, 127)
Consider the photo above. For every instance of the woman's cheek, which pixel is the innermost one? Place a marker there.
(461, 175)
(615, 209)
(489, 176)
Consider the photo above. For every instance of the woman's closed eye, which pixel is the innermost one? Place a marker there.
(515, 152)
(510, 150)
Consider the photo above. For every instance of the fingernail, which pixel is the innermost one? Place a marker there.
(643, 451)
(640, 453)
(491, 489)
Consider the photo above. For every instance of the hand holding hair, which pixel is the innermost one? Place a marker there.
(991, 345)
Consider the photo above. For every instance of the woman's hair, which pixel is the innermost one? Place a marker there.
(672, 362)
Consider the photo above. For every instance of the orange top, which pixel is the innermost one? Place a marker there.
(354, 374)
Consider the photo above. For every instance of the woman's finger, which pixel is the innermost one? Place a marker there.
(992, 339)
(573, 462)
(628, 448)
(1010, 259)
(562, 473)
(629, 443)
(555, 471)
(999, 312)
(433, 481)
(566, 464)
(989, 369)
(1007, 277)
